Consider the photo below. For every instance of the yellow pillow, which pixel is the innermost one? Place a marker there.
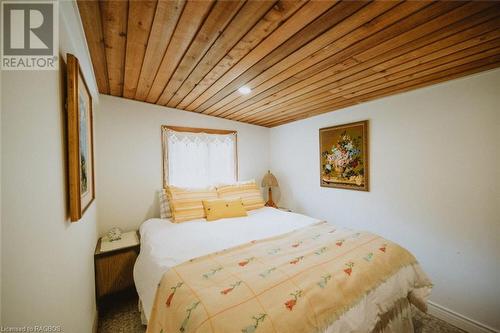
(186, 204)
(248, 192)
(220, 209)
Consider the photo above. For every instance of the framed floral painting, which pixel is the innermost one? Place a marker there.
(80, 141)
(344, 156)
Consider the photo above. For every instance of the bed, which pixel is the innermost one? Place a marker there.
(366, 295)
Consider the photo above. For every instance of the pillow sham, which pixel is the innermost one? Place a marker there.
(186, 204)
(249, 193)
(220, 209)
(165, 212)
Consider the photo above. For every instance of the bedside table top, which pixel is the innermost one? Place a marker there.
(129, 239)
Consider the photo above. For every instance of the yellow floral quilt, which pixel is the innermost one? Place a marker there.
(301, 281)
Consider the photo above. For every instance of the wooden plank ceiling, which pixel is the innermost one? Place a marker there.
(299, 58)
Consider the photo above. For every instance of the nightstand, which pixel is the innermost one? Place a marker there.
(114, 263)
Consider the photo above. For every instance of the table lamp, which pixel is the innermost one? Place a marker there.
(270, 181)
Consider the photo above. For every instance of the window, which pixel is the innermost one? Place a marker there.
(196, 157)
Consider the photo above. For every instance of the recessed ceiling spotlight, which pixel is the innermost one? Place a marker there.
(245, 90)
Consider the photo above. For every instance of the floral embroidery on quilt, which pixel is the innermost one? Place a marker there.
(245, 262)
(267, 272)
(289, 304)
(321, 251)
(273, 251)
(348, 270)
(257, 320)
(174, 289)
(296, 244)
(383, 248)
(296, 260)
(188, 315)
(340, 242)
(368, 257)
(228, 290)
(212, 272)
(324, 280)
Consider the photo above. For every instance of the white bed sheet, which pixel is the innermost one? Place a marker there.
(165, 244)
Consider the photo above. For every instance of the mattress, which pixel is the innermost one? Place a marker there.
(165, 244)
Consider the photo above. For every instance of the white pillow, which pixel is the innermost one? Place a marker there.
(240, 182)
(165, 212)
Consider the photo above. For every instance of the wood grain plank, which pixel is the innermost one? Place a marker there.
(416, 67)
(449, 44)
(467, 38)
(167, 14)
(300, 58)
(421, 18)
(298, 74)
(331, 25)
(114, 21)
(440, 65)
(244, 20)
(422, 35)
(462, 71)
(270, 22)
(309, 12)
(140, 19)
(289, 53)
(368, 34)
(220, 16)
(90, 14)
(324, 106)
(191, 20)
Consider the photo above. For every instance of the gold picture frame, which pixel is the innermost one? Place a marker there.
(80, 141)
(343, 156)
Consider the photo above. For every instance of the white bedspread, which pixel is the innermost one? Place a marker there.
(165, 244)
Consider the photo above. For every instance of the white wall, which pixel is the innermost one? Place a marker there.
(0, 198)
(435, 184)
(47, 262)
(129, 163)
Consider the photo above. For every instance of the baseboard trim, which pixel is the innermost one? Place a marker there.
(458, 320)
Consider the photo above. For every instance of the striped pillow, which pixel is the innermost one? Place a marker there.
(186, 204)
(248, 192)
(165, 212)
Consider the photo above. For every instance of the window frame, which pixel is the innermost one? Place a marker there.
(164, 146)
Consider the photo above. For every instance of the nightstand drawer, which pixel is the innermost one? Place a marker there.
(114, 271)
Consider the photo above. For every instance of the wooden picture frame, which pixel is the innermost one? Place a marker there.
(164, 150)
(343, 156)
(80, 141)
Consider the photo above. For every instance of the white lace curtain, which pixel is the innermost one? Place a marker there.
(199, 159)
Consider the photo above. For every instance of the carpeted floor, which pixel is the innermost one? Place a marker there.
(121, 316)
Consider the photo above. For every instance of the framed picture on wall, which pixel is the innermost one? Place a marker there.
(344, 156)
(80, 141)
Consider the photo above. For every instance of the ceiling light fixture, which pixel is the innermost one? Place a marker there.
(245, 90)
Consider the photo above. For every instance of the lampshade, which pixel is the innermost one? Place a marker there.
(269, 180)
